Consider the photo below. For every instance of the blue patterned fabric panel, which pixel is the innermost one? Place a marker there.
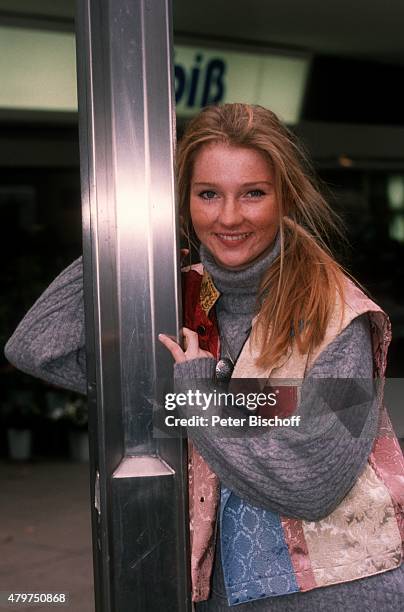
(255, 556)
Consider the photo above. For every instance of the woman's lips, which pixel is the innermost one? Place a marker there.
(233, 239)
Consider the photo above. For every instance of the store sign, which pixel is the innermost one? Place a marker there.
(208, 76)
(38, 72)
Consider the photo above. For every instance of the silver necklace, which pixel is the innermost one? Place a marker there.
(225, 365)
(224, 369)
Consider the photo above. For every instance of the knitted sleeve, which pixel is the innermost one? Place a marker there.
(49, 343)
(305, 471)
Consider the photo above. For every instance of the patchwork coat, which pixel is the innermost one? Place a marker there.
(363, 536)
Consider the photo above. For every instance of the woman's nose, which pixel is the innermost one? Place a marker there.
(230, 213)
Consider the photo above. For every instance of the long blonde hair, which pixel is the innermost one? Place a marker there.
(298, 292)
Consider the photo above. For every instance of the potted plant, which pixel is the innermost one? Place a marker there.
(77, 414)
(73, 409)
(19, 414)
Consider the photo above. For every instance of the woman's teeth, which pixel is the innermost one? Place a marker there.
(233, 237)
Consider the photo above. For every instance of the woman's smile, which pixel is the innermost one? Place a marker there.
(233, 238)
(233, 205)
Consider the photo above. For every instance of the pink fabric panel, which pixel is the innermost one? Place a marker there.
(204, 493)
(387, 460)
(299, 553)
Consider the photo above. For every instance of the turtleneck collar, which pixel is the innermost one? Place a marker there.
(239, 288)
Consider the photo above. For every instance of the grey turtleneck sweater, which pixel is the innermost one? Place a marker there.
(238, 301)
(304, 476)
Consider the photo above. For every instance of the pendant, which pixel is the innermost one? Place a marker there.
(224, 369)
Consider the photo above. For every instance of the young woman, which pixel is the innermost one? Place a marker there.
(282, 520)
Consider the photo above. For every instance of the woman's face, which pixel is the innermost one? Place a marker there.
(233, 205)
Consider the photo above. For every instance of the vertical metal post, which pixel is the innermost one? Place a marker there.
(139, 489)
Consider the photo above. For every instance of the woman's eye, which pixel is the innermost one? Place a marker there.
(207, 195)
(255, 193)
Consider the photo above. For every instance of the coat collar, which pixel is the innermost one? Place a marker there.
(209, 294)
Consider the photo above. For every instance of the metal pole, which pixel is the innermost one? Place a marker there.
(130, 250)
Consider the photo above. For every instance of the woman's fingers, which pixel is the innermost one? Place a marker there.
(191, 345)
(192, 348)
(191, 342)
(174, 348)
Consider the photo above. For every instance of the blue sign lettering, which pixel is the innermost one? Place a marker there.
(214, 79)
(201, 85)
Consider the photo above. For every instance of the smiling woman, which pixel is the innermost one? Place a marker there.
(233, 204)
(271, 302)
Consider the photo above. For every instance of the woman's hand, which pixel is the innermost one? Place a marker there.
(191, 343)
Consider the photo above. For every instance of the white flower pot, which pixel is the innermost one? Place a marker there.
(19, 444)
(78, 443)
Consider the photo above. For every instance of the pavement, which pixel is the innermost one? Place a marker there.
(45, 532)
